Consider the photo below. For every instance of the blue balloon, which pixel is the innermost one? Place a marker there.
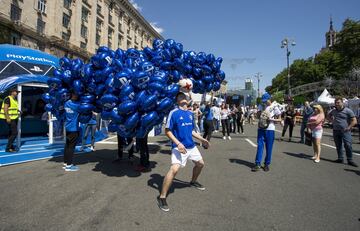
(208, 79)
(157, 60)
(164, 105)
(117, 65)
(147, 67)
(57, 73)
(132, 53)
(149, 103)
(172, 90)
(54, 82)
(91, 87)
(48, 107)
(149, 119)
(86, 72)
(127, 107)
(216, 86)
(63, 94)
(113, 127)
(159, 76)
(119, 54)
(174, 76)
(78, 86)
(102, 49)
(46, 97)
(206, 69)
(100, 89)
(169, 43)
(132, 121)
(126, 93)
(84, 118)
(115, 116)
(140, 97)
(148, 52)
(209, 87)
(106, 115)
(140, 80)
(87, 98)
(156, 88)
(108, 101)
(158, 44)
(220, 76)
(210, 58)
(109, 84)
(121, 79)
(75, 70)
(65, 63)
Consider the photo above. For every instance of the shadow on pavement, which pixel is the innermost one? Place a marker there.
(153, 148)
(305, 156)
(357, 172)
(242, 162)
(165, 151)
(156, 181)
(104, 163)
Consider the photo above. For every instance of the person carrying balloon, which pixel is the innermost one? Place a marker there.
(90, 127)
(72, 131)
(180, 130)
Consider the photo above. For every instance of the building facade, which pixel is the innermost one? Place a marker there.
(75, 28)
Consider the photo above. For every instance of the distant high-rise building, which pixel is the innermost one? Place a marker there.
(74, 28)
(249, 85)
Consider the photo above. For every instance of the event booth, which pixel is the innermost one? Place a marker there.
(39, 134)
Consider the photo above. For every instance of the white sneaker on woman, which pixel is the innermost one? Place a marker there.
(229, 137)
(224, 138)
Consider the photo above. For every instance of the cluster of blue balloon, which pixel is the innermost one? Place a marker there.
(134, 89)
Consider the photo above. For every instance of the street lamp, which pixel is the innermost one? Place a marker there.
(285, 44)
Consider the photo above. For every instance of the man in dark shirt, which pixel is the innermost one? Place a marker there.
(308, 111)
(343, 120)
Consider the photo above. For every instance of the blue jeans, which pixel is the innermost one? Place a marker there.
(265, 138)
(341, 137)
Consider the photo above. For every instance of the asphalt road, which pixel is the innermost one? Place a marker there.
(296, 194)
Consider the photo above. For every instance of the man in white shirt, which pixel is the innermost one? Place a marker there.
(216, 113)
(266, 134)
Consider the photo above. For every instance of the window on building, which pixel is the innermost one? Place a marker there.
(67, 4)
(98, 25)
(110, 36)
(128, 44)
(65, 36)
(120, 40)
(98, 39)
(84, 14)
(15, 13)
(120, 26)
(66, 20)
(40, 27)
(15, 39)
(110, 18)
(98, 9)
(82, 45)
(41, 6)
(84, 31)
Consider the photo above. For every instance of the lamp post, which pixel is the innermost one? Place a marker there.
(285, 44)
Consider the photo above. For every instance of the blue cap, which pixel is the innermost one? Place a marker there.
(265, 97)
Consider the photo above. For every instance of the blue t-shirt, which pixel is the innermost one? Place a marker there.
(72, 116)
(181, 124)
(208, 114)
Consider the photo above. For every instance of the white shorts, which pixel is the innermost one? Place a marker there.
(317, 133)
(181, 159)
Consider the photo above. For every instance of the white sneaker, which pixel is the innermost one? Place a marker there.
(92, 148)
(229, 137)
(224, 138)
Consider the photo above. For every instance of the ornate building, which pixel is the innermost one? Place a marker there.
(330, 35)
(74, 27)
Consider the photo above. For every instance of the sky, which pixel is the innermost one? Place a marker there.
(248, 34)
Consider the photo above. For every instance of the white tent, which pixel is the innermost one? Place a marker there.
(325, 98)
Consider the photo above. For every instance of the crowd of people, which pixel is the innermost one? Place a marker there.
(189, 120)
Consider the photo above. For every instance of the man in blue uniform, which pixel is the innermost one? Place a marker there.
(180, 130)
(72, 132)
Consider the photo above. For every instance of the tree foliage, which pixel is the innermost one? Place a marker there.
(335, 63)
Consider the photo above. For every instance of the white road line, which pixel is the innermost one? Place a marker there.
(250, 142)
(333, 147)
(109, 138)
(113, 142)
(26, 153)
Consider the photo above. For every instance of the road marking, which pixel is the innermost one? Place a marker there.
(333, 147)
(113, 142)
(26, 153)
(250, 142)
(109, 138)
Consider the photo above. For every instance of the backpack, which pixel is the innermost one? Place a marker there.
(264, 119)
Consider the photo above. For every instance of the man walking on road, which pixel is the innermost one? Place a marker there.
(307, 112)
(10, 113)
(180, 130)
(343, 120)
(266, 133)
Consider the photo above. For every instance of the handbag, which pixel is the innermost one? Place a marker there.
(308, 138)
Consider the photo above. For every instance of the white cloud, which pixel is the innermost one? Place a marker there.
(135, 5)
(156, 27)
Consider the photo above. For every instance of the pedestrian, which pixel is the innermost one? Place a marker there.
(315, 124)
(266, 133)
(201, 120)
(144, 164)
(208, 122)
(180, 130)
(90, 127)
(216, 113)
(343, 120)
(233, 115)
(240, 120)
(124, 144)
(289, 121)
(307, 112)
(358, 120)
(9, 112)
(224, 113)
(197, 116)
(72, 131)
